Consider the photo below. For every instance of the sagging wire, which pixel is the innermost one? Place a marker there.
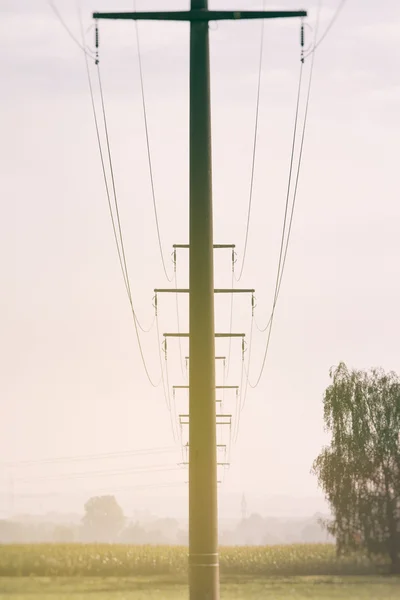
(328, 28)
(234, 260)
(120, 250)
(280, 273)
(150, 165)
(120, 244)
(87, 51)
(183, 369)
(162, 348)
(241, 401)
(253, 162)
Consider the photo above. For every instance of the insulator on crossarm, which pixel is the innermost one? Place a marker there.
(97, 43)
(234, 260)
(253, 304)
(302, 41)
(174, 259)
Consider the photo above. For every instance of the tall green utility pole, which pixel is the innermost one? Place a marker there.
(203, 514)
(203, 509)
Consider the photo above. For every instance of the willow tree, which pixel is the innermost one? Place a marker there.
(360, 470)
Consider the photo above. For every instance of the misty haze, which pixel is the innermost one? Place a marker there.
(200, 380)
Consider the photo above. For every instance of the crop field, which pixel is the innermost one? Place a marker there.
(111, 560)
(118, 572)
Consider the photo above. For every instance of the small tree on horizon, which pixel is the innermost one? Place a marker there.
(103, 520)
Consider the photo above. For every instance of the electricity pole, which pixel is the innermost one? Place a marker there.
(203, 515)
(203, 510)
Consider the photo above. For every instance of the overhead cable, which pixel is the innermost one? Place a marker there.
(244, 385)
(83, 47)
(328, 28)
(165, 385)
(103, 489)
(289, 184)
(230, 327)
(183, 369)
(254, 148)
(108, 473)
(91, 457)
(121, 254)
(279, 278)
(149, 153)
(125, 266)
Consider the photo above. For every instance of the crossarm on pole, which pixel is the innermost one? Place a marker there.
(201, 15)
(216, 291)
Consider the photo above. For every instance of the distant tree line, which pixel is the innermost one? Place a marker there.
(104, 521)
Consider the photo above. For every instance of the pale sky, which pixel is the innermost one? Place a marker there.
(72, 382)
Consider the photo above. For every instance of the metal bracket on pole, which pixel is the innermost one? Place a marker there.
(234, 260)
(216, 358)
(215, 246)
(216, 291)
(244, 349)
(225, 419)
(217, 387)
(217, 335)
(253, 304)
(155, 304)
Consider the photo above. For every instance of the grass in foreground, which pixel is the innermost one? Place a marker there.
(153, 588)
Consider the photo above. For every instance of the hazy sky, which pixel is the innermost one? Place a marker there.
(71, 380)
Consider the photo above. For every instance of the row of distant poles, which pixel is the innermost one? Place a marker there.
(223, 419)
(202, 417)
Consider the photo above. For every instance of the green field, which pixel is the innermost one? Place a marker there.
(117, 572)
(153, 588)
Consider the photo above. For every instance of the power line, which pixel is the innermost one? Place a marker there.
(102, 490)
(237, 405)
(230, 328)
(254, 147)
(84, 48)
(243, 392)
(279, 278)
(183, 370)
(328, 28)
(116, 204)
(150, 485)
(281, 251)
(108, 473)
(148, 150)
(90, 457)
(172, 403)
(165, 385)
(122, 258)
